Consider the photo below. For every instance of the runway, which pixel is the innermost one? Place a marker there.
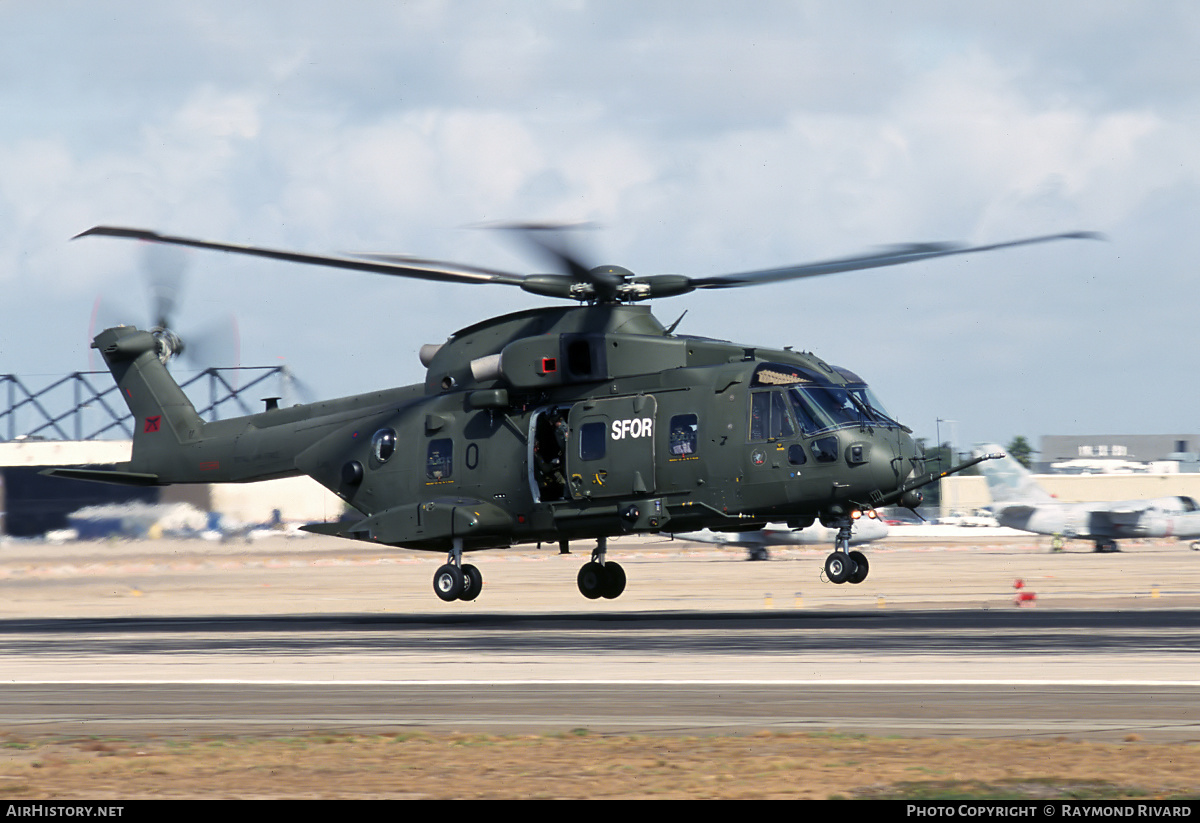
(167, 710)
(250, 640)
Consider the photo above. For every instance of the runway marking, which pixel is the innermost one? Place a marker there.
(636, 682)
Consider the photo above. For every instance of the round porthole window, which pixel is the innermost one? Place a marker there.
(383, 444)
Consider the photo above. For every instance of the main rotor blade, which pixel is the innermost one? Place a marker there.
(607, 286)
(380, 264)
(549, 239)
(891, 257)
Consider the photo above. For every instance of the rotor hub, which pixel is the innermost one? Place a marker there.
(168, 344)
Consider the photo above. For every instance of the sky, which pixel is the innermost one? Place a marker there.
(697, 138)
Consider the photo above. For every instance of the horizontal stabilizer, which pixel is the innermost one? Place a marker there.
(349, 529)
(336, 528)
(105, 476)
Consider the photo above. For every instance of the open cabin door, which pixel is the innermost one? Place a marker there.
(611, 453)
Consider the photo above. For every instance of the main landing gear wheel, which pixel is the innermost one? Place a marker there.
(599, 579)
(457, 580)
(591, 580)
(596, 581)
(614, 581)
(448, 582)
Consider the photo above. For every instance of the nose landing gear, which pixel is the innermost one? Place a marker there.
(845, 566)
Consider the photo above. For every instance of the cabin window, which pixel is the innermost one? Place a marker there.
(796, 455)
(383, 444)
(439, 461)
(592, 440)
(683, 438)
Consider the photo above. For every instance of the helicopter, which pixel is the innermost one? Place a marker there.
(555, 424)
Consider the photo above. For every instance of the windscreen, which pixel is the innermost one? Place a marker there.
(821, 408)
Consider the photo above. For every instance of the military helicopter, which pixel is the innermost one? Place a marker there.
(555, 424)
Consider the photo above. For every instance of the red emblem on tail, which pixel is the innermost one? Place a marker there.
(153, 423)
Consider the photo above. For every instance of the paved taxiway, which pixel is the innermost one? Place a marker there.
(284, 636)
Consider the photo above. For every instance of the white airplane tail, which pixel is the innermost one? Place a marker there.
(1009, 481)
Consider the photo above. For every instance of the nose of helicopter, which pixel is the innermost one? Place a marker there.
(903, 461)
(908, 464)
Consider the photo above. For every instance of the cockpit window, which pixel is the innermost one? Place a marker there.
(821, 408)
(769, 418)
(818, 403)
(781, 421)
(869, 399)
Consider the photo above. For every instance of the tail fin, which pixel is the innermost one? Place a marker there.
(1007, 480)
(164, 418)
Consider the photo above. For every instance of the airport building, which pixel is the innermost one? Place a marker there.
(1084, 468)
(32, 504)
(1119, 453)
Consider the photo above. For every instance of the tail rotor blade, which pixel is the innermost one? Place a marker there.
(215, 345)
(165, 268)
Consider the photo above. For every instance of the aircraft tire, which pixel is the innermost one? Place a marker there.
(614, 581)
(838, 567)
(591, 580)
(472, 582)
(861, 570)
(448, 582)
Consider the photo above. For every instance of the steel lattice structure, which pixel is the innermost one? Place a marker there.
(73, 408)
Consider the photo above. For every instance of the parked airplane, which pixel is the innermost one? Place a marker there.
(757, 543)
(1020, 503)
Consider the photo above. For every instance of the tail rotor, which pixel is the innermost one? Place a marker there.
(165, 270)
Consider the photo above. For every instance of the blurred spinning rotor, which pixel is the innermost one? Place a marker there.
(216, 344)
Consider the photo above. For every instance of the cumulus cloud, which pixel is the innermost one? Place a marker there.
(702, 141)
